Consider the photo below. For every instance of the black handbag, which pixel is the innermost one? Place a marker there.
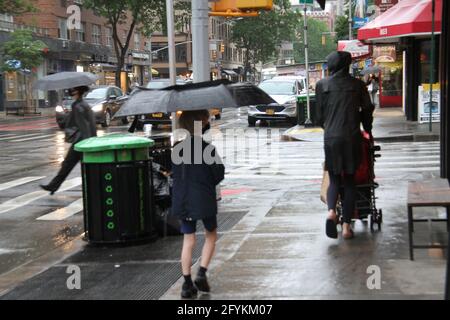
(72, 134)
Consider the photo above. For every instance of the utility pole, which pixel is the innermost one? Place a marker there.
(172, 57)
(350, 33)
(308, 122)
(433, 9)
(200, 40)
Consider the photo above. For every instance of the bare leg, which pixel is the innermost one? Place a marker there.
(186, 253)
(208, 248)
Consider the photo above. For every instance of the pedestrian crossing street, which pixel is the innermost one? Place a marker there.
(292, 161)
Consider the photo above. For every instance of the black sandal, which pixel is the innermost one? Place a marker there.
(331, 228)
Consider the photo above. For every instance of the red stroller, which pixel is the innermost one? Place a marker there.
(365, 206)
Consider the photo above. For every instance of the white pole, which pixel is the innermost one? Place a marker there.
(308, 121)
(200, 40)
(350, 37)
(171, 45)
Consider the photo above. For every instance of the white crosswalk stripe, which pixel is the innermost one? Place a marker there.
(9, 137)
(64, 213)
(18, 182)
(304, 161)
(36, 195)
(34, 138)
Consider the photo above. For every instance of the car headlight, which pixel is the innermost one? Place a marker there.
(253, 108)
(98, 107)
(59, 109)
(291, 102)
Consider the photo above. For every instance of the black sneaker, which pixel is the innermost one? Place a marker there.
(188, 291)
(201, 282)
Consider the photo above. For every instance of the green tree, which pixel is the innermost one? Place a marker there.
(23, 54)
(320, 42)
(261, 36)
(16, 7)
(141, 15)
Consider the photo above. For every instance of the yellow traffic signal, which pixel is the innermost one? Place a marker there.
(323, 40)
(240, 8)
(222, 48)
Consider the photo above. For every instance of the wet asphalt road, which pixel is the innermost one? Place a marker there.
(260, 168)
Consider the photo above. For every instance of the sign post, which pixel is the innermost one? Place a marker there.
(308, 122)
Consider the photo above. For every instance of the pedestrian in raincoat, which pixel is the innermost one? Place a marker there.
(79, 125)
(343, 104)
(373, 85)
(197, 170)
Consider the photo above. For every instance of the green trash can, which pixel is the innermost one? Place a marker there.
(117, 189)
(302, 111)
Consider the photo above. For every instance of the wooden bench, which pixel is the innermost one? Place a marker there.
(428, 193)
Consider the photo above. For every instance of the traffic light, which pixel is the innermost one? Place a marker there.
(214, 54)
(240, 8)
(222, 48)
(323, 40)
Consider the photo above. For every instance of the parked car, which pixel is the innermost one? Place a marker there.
(160, 117)
(105, 101)
(284, 90)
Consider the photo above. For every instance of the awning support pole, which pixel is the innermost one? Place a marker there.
(433, 9)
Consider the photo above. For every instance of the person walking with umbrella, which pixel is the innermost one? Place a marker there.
(80, 125)
(197, 170)
(343, 104)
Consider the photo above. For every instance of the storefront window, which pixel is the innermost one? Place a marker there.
(15, 86)
(425, 61)
(391, 81)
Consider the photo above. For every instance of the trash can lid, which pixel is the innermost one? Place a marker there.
(115, 141)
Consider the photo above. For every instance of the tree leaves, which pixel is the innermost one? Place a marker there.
(16, 7)
(23, 48)
(261, 36)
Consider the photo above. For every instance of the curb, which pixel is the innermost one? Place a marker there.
(404, 138)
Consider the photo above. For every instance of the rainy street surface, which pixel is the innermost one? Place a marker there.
(272, 242)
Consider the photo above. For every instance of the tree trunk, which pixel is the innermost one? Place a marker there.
(28, 99)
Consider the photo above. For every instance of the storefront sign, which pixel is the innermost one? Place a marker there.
(359, 22)
(384, 5)
(424, 104)
(384, 54)
(355, 47)
(143, 56)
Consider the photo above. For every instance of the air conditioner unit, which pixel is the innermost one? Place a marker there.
(65, 44)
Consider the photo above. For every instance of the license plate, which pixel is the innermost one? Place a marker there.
(270, 111)
(157, 115)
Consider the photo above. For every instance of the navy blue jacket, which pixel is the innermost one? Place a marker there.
(195, 180)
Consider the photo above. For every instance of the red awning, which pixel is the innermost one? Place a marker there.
(406, 18)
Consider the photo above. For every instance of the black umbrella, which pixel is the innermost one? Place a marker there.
(195, 96)
(65, 80)
(369, 70)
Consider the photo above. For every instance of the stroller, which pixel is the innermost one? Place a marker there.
(365, 206)
(166, 224)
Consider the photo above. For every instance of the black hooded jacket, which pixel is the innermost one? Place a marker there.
(342, 101)
(83, 118)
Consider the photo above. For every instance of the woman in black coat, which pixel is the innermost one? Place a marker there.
(197, 170)
(343, 104)
(81, 121)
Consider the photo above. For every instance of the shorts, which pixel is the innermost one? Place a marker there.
(190, 226)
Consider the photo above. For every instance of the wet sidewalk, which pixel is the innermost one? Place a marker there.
(389, 125)
(41, 113)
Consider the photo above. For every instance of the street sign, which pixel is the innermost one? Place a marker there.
(306, 1)
(14, 64)
(359, 22)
